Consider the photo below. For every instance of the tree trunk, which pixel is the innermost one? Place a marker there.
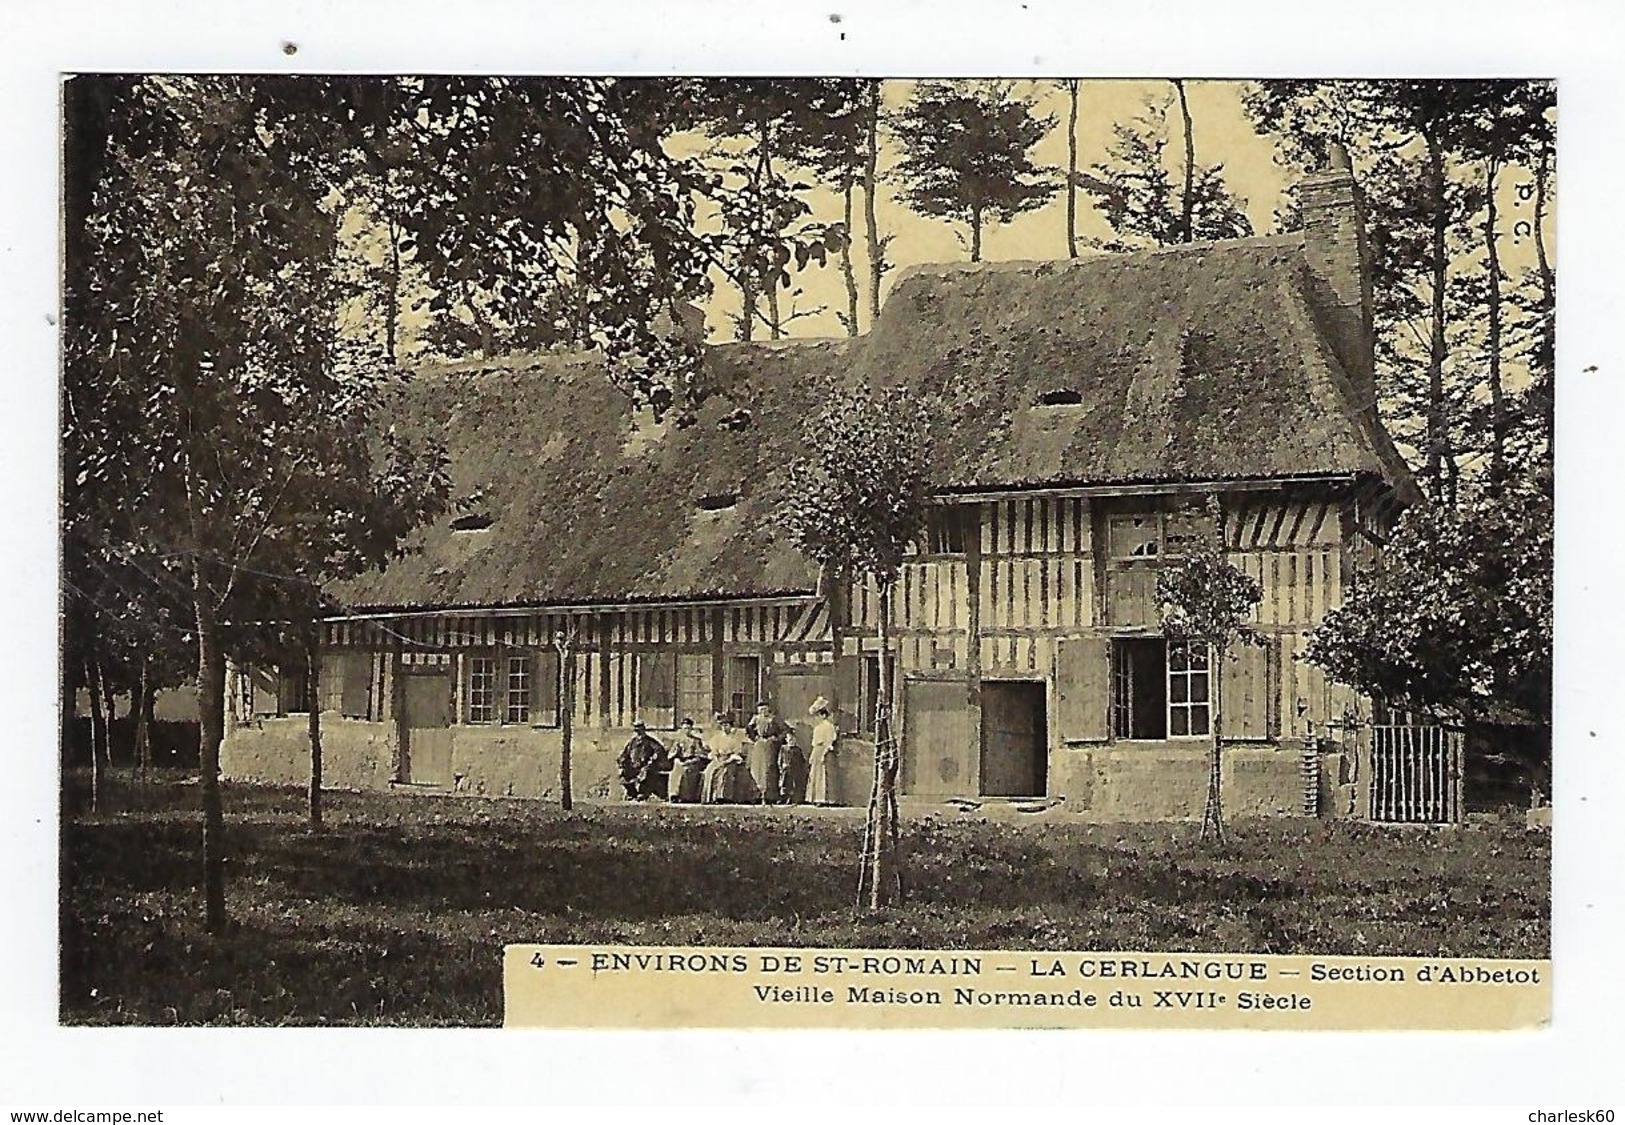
(1213, 810)
(1072, 168)
(567, 713)
(747, 311)
(770, 282)
(880, 873)
(386, 205)
(1498, 413)
(98, 729)
(1437, 437)
(1187, 205)
(871, 179)
(141, 715)
(211, 698)
(976, 234)
(313, 675)
(1546, 358)
(848, 274)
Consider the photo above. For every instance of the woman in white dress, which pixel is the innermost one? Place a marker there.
(821, 779)
(727, 779)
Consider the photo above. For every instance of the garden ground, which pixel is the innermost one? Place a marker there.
(397, 913)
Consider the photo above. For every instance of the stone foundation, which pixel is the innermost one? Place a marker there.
(1168, 781)
(485, 761)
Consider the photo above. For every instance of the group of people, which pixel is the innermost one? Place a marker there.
(760, 763)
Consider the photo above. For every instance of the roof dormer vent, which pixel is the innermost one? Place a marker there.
(1061, 396)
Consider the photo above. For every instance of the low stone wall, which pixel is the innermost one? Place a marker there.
(1168, 781)
(355, 754)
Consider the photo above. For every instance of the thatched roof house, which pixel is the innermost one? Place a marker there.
(600, 567)
(1202, 363)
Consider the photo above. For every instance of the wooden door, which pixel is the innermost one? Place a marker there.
(1014, 739)
(793, 691)
(940, 756)
(427, 703)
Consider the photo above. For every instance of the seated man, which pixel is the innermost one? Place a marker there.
(643, 764)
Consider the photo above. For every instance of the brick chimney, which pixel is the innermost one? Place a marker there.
(1334, 246)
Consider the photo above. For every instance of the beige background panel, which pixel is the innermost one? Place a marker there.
(719, 987)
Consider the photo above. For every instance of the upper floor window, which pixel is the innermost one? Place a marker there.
(945, 530)
(1155, 535)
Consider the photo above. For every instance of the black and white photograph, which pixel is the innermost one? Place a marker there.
(831, 512)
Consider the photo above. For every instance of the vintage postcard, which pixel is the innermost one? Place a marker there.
(807, 552)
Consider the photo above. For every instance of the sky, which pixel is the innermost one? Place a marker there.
(1223, 136)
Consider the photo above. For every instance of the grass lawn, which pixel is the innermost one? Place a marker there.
(398, 912)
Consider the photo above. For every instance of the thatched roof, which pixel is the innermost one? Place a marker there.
(1196, 364)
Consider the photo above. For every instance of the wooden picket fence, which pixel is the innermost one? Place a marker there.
(1414, 775)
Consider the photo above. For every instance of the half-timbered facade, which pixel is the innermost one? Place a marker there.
(1085, 413)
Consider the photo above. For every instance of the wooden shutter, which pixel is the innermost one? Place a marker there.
(264, 680)
(846, 691)
(1083, 674)
(1244, 697)
(544, 687)
(657, 689)
(355, 699)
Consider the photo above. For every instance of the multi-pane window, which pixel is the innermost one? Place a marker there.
(1154, 535)
(1135, 537)
(694, 686)
(518, 710)
(1160, 689)
(743, 686)
(482, 682)
(1188, 695)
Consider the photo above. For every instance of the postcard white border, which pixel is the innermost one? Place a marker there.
(1567, 1065)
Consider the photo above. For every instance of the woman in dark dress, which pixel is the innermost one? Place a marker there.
(689, 759)
(766, 735)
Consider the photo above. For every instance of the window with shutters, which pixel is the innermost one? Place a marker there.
(482, 684)
(1188, 695)
(1160, 689)
(694, 686)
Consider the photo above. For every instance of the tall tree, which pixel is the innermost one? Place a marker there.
(1187, 196)
(1137, 195)
(1072, 86)
(967, 155)
(829, 136)
(764, 212)
(856, 503)
(874, 242)
(215, 405)
(1413, 143)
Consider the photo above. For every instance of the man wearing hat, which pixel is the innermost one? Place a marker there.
(821, 787)
(645, 768)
